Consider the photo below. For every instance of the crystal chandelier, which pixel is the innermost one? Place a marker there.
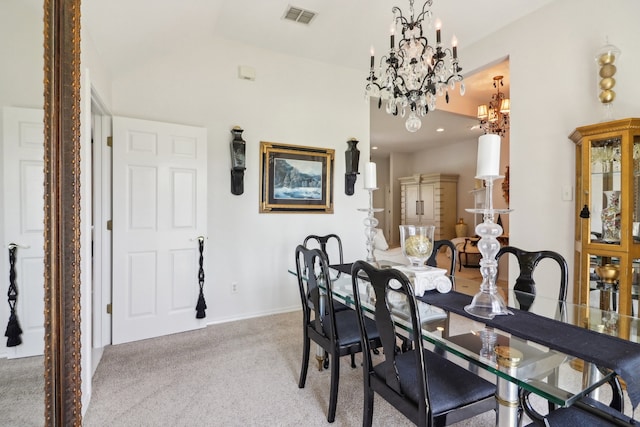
(411, 75)
(494, 118)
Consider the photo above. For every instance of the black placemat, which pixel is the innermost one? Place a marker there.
(621, 355)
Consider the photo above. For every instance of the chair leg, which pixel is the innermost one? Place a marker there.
(367, 414)
(333, 392)
(353, 360)
(305, 361)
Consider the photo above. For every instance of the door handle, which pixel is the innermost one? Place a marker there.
(16, 245)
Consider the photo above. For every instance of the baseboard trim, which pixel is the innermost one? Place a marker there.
(254, 315)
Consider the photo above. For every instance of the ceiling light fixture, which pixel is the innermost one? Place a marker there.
(494, 118)
(413, 73)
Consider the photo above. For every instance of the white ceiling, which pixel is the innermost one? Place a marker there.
(127, 32)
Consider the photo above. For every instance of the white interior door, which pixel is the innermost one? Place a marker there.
(23, 225)
(159, 211)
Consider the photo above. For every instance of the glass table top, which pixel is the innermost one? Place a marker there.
(558, 377)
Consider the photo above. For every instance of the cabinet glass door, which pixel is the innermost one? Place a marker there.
(604, 282)
(606, 189)
(635, 229)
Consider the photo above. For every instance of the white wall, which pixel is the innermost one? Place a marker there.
(553, 90)
(21, 77)
(292, 101)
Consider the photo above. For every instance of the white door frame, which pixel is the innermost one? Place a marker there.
(101, 187)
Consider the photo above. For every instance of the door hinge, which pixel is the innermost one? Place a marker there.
(109, 225)
(109, 141)
(109, 308)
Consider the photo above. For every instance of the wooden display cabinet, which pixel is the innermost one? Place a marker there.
(607, 227)
(430, 199)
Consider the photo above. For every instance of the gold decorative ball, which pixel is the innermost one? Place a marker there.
(607, 96)
(607, 83)
(417, 246)
(607, 70)
(606, 58)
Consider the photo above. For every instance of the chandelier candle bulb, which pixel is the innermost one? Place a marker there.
(488, 156)
(438, 26)
(370, 177)
(393, 37)
(454, 44)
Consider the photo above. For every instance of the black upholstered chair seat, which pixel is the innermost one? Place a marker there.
(586, 412)
(455, 386)
(347, 327)
(574, 416)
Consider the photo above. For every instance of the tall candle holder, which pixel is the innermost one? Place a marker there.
(370, 224)
(488, 303)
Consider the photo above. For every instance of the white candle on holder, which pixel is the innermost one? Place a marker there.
(488, 156)
(370, 176)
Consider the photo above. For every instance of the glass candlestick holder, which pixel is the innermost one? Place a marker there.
(488, 303)
(370, 224)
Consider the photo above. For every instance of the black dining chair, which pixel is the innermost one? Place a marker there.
(437, 245)
(336, 332)
(424, 386)
(525, 286)
(586, 412)
(331, 244)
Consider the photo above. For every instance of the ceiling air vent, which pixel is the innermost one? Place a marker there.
(299, 15)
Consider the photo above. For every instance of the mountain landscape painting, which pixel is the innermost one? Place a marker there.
(297, 179)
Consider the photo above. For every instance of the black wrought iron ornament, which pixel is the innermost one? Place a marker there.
(352, 159)
(13, 330)
(202, 305)
(238, 163)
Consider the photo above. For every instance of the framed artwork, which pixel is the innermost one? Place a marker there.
(296, 179)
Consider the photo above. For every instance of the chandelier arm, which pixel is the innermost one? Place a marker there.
(400, 17)
(424, 12)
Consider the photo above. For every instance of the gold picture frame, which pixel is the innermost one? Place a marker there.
(295, 179)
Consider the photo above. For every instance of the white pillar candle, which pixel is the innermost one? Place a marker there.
(488, 156)
(370, 176)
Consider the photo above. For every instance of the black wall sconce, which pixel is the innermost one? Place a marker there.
(352, 158)
(238, 164)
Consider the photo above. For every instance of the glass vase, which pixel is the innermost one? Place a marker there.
(417, 243)
(611, 217)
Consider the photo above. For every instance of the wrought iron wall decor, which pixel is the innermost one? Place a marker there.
(352, 159)
(238, 162)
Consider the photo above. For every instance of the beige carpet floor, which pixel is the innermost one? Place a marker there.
(238, 374)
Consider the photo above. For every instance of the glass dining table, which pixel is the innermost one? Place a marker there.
(509, 360)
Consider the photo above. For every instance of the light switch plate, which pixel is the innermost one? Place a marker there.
(567, 193)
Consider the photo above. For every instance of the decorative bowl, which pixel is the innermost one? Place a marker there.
(609, 273)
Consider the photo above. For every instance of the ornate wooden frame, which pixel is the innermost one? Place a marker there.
(270, 155)
(63, 406)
